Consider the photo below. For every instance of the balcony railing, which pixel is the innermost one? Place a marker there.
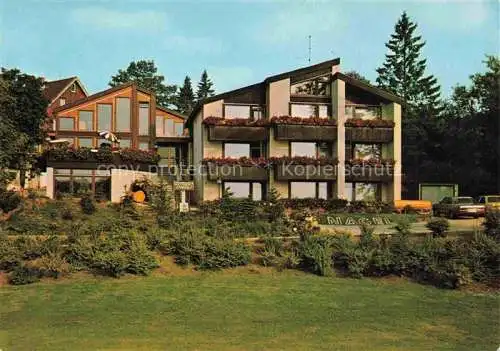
(369, 135)
(237, 133)
(296, 132)
(285, 172)
(232, 172)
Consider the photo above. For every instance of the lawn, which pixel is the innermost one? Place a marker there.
(244, 309)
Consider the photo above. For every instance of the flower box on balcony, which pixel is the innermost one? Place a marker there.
(304, 129)
(230, 169)
(304, 168)
(236, 129)
(369, 134)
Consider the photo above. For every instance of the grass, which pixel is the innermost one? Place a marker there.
(244, 309)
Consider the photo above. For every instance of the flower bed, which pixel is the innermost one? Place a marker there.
(311, 121)
(372, 123)
(102, 155)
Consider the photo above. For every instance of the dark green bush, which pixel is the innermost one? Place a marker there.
(23, 275)
(438, 226)
(316, 255)
(87, 204)
(113, 263)
(9, 200)
(139, 259)
(192, 247)
(10, 256)
(492, 223)
(67, 214)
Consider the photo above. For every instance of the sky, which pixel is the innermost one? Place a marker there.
(237, 42)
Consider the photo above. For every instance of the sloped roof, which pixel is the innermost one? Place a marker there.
(172, 112)
(53, 89)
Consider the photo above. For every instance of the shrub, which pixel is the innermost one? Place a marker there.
(482, 254)
(113, 263)
(438, 226)
(316, 255)
(139, 259)
(24, 275)
(53, 265)
(492, 223)
(67, 214)
(87, 204)
(366, 235)
(10, 255)
(9, 200)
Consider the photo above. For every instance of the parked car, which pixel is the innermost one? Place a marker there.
(460, 206)
(491, 202)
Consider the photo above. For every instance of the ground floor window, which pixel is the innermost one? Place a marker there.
(303, 190)
(81, 181)
(363, 191)
(254, 190)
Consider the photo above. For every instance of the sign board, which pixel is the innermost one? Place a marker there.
(183, 185)
(355, 220)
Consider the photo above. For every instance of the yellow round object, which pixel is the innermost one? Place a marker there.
(139, 196)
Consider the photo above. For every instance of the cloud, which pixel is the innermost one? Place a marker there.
(194, 45)
(102, 18)
(292, 22)
(231, 77)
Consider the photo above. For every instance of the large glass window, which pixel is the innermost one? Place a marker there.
(308, 110)
(86, 120)
(179, 128)
(143, 118)
(302, 190)
(236, 150)
(363, 111)
(256, 191)
(122, 114)
(236, 111)
(239, 190)
(303, 149)
(367, 151)
(66, 123)
(124, 143)
(316, 86)
(78, 182)
(362, 191)
(86, 142)
(104, 117)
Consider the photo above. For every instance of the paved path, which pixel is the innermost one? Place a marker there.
(467, 224)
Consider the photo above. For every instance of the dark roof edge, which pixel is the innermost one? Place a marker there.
(92, 97)
(368, 87)
(324, 64)
(172, 112)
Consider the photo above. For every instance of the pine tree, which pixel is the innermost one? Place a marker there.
(145, 74)
(205, 87)
(185, 99)
(403, 73)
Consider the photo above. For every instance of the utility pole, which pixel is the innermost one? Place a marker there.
(309, 49)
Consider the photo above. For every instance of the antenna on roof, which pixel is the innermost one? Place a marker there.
(309, 49)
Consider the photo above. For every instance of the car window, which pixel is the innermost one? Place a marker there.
(493, 198)
(446, 200)
(464, 200)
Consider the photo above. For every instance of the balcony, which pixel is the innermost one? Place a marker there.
(237, 133)
(369, 173)
(286, 172)
(369, 134)
(235, 172)
(296, 132)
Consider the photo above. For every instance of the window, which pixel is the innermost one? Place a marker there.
(159, 126)
(367, 151)
(256, 191)
(308, 110)
(257, 150)
(124, 143)
(76, 182)
(303, 149)
(122, 114)
(66, 123)
(302, 190)
(363, 111)
(103, 143)
(315, 86)
(257, 113)
(169, 127)
(236, 111)
(324, 150)
(322, 190)
(168, 155)
(239, 190)
(85, 120)
(143, 118)
(104, 117)
(86, 142)
(179, 128)
(62, 101)
(362, 191)
(73, 88)
(236, 150)
(144, 145)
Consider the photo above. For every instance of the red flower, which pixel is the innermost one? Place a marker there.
(310, 121)
(218, 121)
(371, 162)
